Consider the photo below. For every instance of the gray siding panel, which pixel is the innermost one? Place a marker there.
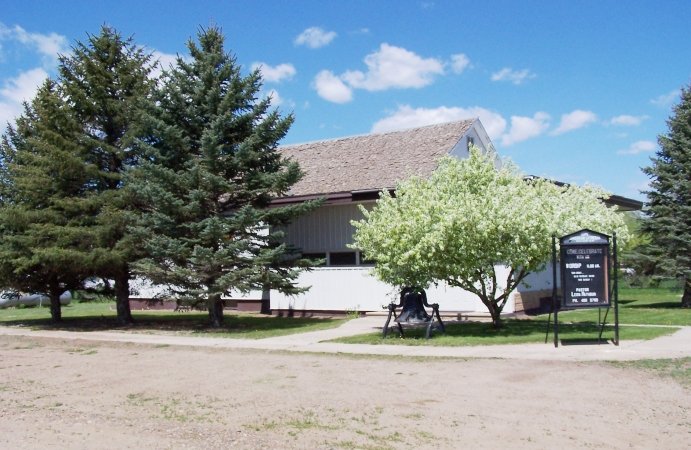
(326, 229)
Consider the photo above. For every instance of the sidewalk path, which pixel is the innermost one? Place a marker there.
(677, 345)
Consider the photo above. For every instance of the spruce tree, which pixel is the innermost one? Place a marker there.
(46, 217)
(212, 172)
(107, 82)
(669, 199)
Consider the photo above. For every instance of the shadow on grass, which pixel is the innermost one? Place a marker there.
(233, 325)
(659, 305)
(584, 341)
(626, 301)
(514, 331)
(517, 328)
(480, 333)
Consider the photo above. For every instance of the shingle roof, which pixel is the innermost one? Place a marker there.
(373, 161)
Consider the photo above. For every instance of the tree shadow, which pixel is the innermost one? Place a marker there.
(584, 341)
(175, 322)
(659, 305)
(509, 329)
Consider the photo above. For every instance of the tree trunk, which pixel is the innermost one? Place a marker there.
(55, 308)
(496, 318)
(494, 312)
(215, 305)
(686, 297)
(122, 298)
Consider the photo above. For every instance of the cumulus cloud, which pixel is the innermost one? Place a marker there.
(523, 128)
(574, 120)
(9, 111)
(459, 62)
(665, 100)
(49, 46)
(315, 37)
(394, 67)
(25, 86)
(332, 88)
(513, 76)
(408, 117)
(275, 74)
(276, 99)
(638, 147)
(17, 90)
(627, 121)
(161, 61)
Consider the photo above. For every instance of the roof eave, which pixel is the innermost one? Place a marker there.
(333, 198)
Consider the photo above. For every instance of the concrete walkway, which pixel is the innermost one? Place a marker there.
(677, 345)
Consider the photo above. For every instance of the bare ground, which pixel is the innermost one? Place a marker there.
(81, 394)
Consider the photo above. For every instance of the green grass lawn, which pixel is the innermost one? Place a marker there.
(637, 306)
(513, 332)
(100, 316)
(649, 306)
(659, 306)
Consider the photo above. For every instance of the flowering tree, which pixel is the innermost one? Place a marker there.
(469, 217)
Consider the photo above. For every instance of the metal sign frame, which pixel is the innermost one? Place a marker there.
(585, 267)
(588, 277)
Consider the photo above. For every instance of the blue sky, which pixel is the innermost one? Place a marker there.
(572, 90)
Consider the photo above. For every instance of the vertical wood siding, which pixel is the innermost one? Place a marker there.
(326, 229)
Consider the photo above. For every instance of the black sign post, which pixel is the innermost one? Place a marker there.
(585, 275)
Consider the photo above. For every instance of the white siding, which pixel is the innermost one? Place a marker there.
(479, 136)
(353, 288)
(143, 289)
(536, 281)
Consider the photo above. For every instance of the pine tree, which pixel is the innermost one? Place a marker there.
(669, 199)
(107, 82)
(213, 171)
(45, 217)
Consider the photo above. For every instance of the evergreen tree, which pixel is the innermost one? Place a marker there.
(45, 218)
(669, 199)
(212, 172)
(106, 81)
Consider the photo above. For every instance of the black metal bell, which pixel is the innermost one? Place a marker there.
(412, 307)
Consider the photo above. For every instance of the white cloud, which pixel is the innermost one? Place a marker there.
(361, 31)
(638, 147)
(161, 61)
(49, 46)
(523, 128)
(25, 86)
(275, 97)
(460, 62)
(331, 88)
(315, 37)
(513, 76)
(17, 90)
(9, 111)
(575, 120)
(394, 67)
(275, 74)
(665, 100)
(627, 120)
(408, 117)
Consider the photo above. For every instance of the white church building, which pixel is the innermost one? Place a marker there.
(349, 172)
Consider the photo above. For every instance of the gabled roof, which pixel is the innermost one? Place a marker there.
(372, 162)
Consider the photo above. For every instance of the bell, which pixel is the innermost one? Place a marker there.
(412, 307)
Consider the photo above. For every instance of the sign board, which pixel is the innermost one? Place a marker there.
(585, 269)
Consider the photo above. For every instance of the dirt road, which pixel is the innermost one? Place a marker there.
(81, 394)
